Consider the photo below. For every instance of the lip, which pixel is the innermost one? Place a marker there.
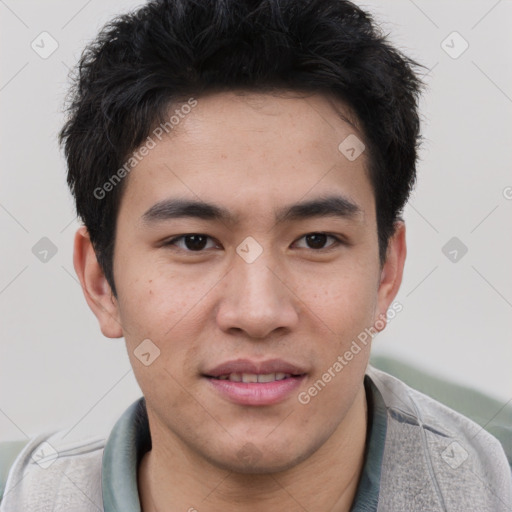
(257, 367)
(256, 393)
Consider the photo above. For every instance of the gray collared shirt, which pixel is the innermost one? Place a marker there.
(420, 455)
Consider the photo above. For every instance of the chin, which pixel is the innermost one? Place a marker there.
(259, 460)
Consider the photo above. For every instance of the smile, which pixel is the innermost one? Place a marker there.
(253, 377)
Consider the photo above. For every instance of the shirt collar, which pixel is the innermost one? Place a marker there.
(127, 443)
(367, 495)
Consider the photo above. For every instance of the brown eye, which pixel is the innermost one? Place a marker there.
(191, 242)
(317, 241)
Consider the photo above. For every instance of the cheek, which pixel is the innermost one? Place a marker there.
(153, 301)
(154, 309)
(344, 301)
(168, 309)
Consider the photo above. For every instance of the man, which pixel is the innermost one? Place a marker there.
(240, 168)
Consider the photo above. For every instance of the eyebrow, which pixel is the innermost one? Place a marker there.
(329, 206)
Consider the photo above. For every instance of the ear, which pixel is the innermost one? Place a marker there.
(97, 291)
(391, 274)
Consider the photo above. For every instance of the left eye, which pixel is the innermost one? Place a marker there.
(318, 240)
(197, 242)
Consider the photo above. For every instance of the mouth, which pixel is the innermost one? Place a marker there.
(246, 382)
(255, 377)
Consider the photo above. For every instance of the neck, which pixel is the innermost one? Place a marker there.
(173, 480)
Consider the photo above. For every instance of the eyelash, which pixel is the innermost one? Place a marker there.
(337, 241)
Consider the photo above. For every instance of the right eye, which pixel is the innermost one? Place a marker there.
(190, 242)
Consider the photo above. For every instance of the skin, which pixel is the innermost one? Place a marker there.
(252, 154)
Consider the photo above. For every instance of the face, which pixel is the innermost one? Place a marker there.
(268, 279)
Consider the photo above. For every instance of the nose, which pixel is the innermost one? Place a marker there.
(257, 299)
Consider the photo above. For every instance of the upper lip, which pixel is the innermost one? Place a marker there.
(255, 367)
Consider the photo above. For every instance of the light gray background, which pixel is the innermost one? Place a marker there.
(58, 371)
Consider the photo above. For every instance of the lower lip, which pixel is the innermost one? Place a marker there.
(257, 393)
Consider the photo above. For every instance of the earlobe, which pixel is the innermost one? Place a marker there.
(391, 274)
(95, 287)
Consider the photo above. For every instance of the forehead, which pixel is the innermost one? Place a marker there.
(296, 118)
(236, 145)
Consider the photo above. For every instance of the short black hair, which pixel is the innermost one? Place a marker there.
(167, 51)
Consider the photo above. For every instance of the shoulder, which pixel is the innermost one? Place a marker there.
(409, 404)
(442, 457)
(52, 461)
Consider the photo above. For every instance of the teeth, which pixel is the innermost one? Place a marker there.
(267, 377)
(252, 377)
